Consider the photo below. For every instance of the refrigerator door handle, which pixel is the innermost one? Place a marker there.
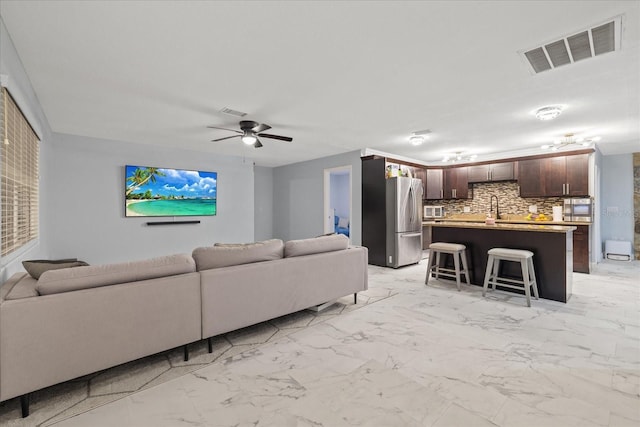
(411, 235)
(411, 203)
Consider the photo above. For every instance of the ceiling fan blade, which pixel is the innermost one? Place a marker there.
(261, 128)
(226, 137)
(258, 144)
(281, 138)
(232, 130)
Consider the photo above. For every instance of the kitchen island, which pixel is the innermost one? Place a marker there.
(552, 247)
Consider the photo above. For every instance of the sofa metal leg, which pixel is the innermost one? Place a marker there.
(210, 344)
(24, 404)
(355, 298)
(186, 353)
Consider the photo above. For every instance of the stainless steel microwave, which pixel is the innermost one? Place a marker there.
(579, 210)
(433, 212)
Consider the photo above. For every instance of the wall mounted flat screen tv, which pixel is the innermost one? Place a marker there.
(153, 191)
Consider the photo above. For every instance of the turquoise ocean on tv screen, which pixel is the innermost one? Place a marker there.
(185, 207)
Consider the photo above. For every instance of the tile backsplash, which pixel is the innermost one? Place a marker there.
(508, 199)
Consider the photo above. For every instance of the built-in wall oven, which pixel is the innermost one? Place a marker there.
(578, 210)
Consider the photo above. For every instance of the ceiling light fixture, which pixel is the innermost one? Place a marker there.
(249, 138)
(458, 157)
(570, 139)
(416, 140)
(548, 113)
(419, 136)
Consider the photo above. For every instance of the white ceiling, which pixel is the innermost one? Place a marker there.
(335, 76)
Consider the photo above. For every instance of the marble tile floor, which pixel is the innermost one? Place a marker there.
(77, 396)
(425, 356)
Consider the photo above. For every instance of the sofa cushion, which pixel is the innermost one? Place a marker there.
(36, 267)
(333, 242)
(73, 279)
(224, 255)
(20, 285)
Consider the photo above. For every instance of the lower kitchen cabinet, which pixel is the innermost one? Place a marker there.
(581, 251)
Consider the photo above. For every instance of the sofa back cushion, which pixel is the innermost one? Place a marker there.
(20, 285)
(315, 245)
(225, 255)
(73, 279)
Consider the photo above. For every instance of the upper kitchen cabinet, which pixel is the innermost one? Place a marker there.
(433, 190)
(554, 176)
(566, 176)
(491, 172)
(421, 174)
(456, 183)
(578, 175)
(530, 178)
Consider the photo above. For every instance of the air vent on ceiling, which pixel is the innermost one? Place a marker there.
(233, 112)
(584, 44)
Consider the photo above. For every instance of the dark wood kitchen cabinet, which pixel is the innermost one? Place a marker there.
(421, 174)
(554, 176)
(456, 183)
(578, 175)
(581, 253)
(491, 172)
(433, 189)
(566, 176)
(530, 178)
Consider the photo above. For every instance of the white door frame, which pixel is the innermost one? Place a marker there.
(328, 217)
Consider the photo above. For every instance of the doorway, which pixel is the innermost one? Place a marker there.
(337, 200)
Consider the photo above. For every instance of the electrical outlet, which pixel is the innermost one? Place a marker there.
(467, 209)
(533, 209)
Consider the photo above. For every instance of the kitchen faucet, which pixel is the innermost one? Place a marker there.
(491, 206)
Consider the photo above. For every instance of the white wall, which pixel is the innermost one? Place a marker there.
(299, 197)
(86, 217)
(263, 190)
(616, 207)
(15, 79)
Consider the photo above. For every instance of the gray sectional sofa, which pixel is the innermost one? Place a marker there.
(75, 321)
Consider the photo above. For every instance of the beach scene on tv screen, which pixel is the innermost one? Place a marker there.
(169, 192)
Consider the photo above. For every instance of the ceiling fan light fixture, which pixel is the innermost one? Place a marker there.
(249, 139)
(548, 113)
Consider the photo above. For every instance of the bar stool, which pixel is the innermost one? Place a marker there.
(459, 252)
(525, 258)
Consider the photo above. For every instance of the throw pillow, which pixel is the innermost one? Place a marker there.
(36, 267)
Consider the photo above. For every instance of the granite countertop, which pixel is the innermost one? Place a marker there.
(531, 226)
(478, 218)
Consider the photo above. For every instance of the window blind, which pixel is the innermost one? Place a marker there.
(18, 178)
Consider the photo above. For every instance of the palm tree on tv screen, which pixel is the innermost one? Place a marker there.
(140, 177)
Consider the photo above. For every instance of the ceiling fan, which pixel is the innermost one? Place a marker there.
(249, 133)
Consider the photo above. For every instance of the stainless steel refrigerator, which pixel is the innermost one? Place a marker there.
(404, 221)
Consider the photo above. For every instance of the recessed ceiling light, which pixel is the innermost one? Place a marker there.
(548, 113)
